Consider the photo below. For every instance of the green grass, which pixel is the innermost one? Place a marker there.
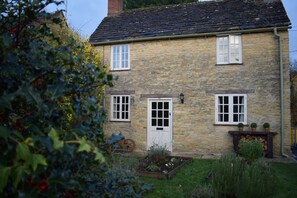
(189, 176)
(183, 182)
(287, 180)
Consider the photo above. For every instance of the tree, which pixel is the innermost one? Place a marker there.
(132, 4)
(293, 81)
(50, 114)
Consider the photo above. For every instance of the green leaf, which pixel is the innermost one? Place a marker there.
(84, 146)
(4, 174)
(53, 134)
(37, 159)
(98, 155)
(4, 132)
(17, 175)
(23, 151)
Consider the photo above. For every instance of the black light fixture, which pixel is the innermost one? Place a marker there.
(182, 98)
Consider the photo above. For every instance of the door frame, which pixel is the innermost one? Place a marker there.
(149, 111)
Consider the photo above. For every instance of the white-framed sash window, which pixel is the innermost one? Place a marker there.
(229, 49)
(120, 57)
(230, 108)
(120, 108)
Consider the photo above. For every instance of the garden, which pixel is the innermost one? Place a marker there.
(51, 136)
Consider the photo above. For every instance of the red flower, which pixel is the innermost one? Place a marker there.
(70, 194)
(43, 185)
(13, 30)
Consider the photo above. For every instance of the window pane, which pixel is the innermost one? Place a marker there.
(220, 108)
(160, 122)
(241, 108)
(154, 105)
(235, 109)
(241, 100)
(241, 117)
(166, 122)
(220, 99)
(154, 114)
(160, 114)
(166, 114)
(154, 122)
(220, 117)
(166, 105)
(226, 117)
(235, 118)
(235, 100)
(226, 109)
(226, 100)
(160, 105)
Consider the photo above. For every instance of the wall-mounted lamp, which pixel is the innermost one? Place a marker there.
(182, 98)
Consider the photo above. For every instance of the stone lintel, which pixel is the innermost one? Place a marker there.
(121, 92)
(159, 96)
(235, 91)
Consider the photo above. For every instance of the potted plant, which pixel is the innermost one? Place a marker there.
(253, 126)
(266, 127)
(240, 126)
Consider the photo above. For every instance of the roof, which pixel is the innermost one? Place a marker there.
(191, 18)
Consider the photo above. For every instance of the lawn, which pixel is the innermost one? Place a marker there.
(185, 180)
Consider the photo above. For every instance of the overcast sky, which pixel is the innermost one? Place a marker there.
(85, 16)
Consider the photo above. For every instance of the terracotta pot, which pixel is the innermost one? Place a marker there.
(240, 129)
(266, 129)
(254, 129)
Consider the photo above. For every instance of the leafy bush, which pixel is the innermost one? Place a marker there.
(240, 125)
(121, 179)
(254, 125)
(157, 151)
(258, 180)
(203, 191)
(266, 125)
(251, 149)
(226, 175)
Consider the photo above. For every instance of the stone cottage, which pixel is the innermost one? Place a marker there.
(189, 73)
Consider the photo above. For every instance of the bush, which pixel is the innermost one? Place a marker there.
(226, 175)
(121, 179)
(251, 149)
(258, 180)
(254, 125)
(203, 191)
(156, 152)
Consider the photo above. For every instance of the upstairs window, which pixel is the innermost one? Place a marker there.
(231, 108)
(120, 108)
(120, 57)
(229, 49)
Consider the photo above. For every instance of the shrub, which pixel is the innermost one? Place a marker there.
(156, 152)
(251, 149)
(240, 125)
(203, 191)
(254, 125)
(226, 175)
(121, 179)
(258, 180)
(266, 125)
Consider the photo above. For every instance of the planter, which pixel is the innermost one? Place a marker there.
(254, 129)
(164, 171)
(267, 129)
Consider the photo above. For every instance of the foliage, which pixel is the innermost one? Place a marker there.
(293, 82)
(226, 175)
(50, 113)
(121, 179)
(251, 149)
(193, 174)
(132, 4)
(266, 125)
(254, 125)
(258, 180)
(157, 151)
(240, 125)
(203, 191)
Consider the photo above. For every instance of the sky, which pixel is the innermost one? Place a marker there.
(85, 15)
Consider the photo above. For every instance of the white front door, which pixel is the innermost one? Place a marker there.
(160, 123)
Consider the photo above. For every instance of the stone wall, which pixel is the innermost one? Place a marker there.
(189, 66)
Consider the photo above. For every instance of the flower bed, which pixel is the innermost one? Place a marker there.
(161, 168)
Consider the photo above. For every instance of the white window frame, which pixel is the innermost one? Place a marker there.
(230, 38)
(230, 109)
(121, 110)
(121, 66)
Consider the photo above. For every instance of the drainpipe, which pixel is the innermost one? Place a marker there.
(281, 68)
